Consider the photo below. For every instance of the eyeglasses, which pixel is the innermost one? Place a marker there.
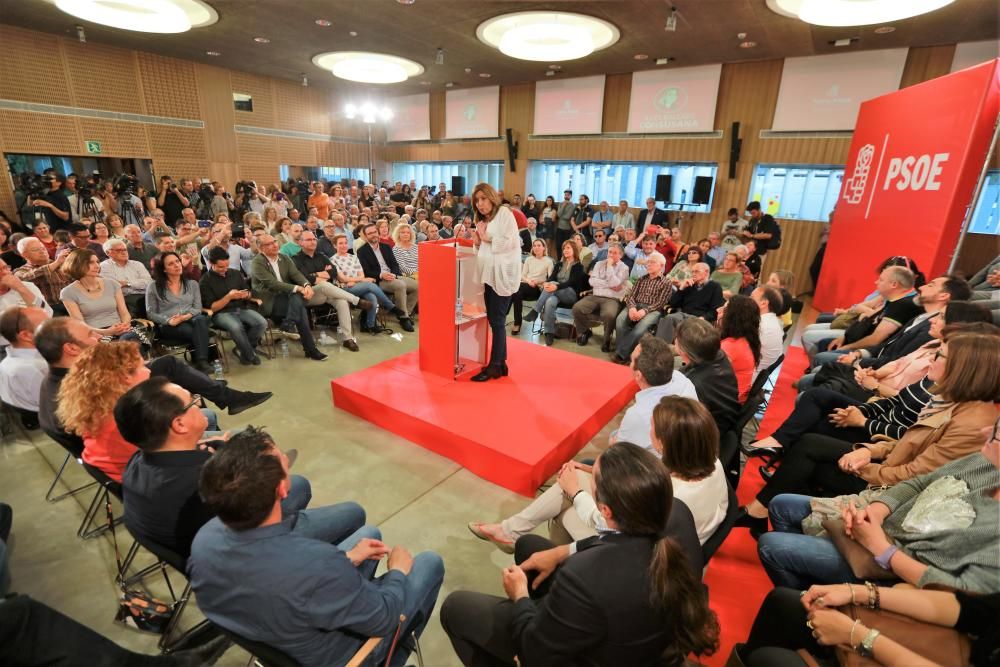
(195, 400)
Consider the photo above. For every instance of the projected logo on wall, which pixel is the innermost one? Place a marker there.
(672, 99)
(470, 112)
(669, 112)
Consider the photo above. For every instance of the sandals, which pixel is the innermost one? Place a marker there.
(501, 543)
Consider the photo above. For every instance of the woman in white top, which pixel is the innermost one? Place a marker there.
(682, 431)
(405, 250)
(499, 265)
(534, 271)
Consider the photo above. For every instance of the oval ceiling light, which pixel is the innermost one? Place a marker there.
(368, 67)
(843, 13)
(160, 16)
(547, 36)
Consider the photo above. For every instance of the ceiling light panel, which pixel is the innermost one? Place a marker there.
(368, 67)
(160, 16)
(547, 36)
(842, 13)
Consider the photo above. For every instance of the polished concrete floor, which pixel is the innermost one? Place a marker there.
(419, 499)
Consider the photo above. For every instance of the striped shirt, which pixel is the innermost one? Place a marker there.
(406, 258)
(892, 416)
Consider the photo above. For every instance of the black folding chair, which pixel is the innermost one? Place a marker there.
(74, 450)
(107, 488)
(713, 543)
(260, 653)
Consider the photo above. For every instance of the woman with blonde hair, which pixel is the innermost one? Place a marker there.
(499, 265)
(405, 250)
(271, 215)
(87, 398)
(567, 280)
(536, 268)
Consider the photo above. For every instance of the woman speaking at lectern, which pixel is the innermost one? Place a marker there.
(499, 264)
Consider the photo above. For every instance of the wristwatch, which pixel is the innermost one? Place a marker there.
(867, 646)
(884, 558)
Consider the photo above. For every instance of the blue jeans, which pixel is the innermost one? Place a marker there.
(628, 333)
(828, 356)
(549, 301)
(213, 420)
(245, 327)
(795, 560)
(194, 332)
(373, 293)
(331, 523)
(423, 584)
(496, 314)
(298, 496)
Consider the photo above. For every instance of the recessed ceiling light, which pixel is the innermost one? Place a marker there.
(162, 16)
(425, 83)
(322, 23)
(555, 67)
(406, 2)
(212, 53)
(641, 56)
(262, 40)
(484, 75)
(747, 45)
(368, 67)
(550, 72)
(353, 33)
(547, 36)
(450, 84)
(468, 70)
(884, 30)
(854, 12)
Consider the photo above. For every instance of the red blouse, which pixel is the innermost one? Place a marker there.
(107, 450)
(741, 357)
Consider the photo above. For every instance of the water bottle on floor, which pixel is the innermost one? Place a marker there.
(284, 348)
(217, 370)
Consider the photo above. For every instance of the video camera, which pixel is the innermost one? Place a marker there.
(245, 188)
(125, 184)
(33, 185)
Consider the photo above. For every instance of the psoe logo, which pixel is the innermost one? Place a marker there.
(470, 112)
(854, 187)
(671, 98)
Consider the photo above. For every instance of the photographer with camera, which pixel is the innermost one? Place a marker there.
(250, 198)
(171, 199)
(84, 203)
(222, 201)
(53, 203)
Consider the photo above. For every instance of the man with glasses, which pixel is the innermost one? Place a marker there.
(79, 237)
(132, 276)
(160, 484)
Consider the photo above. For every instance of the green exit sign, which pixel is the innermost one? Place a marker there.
(93, 147)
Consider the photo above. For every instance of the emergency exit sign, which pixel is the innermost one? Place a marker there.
(93, 147)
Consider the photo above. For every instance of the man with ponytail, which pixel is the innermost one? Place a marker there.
(624, 597)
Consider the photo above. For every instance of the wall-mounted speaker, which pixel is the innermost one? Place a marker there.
(511, 149)
(663, 188)
(735, 144)
(702, 190)
(458, 186)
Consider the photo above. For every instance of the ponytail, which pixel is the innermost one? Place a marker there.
(680, 598)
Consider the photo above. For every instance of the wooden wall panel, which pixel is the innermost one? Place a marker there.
(294, 106)
(437, 113)
(118, 138)
(169, 86)
(215, 101)
(259, 89)
(617, 90)
(181, 143)
(297, 151)
(925, 63)
(47, 134)
(178, 168)
(517, 112)
(257, 148)
(262, 173)
(33, 67)
(103, 77)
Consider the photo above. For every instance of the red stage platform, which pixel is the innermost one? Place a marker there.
(515, 431)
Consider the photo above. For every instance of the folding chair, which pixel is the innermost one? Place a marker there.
(716, 539)
(74, 450)
(108, 488)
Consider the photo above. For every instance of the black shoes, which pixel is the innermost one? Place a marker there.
(6, 521)
(406, 323)
(531, 316)
(490, 373)
(244, 400)
(619, 360)
(316, 355)
(582, 339)
(351, 345)
(204, 367)
(550, 339)
(757, 526)
(606, 345)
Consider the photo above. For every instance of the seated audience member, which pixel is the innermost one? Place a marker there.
(160, 484)
(22, 369)
(14, 292)
(227, 294)
(405, 251)
(628, 597)
(823, 617)
(704, 245)
(44, 273)
(682, 269)
(379, 263)
(79, 237)
(222, 237)
(320, 272)
(732, 229)
(252, 567)
(696, 297)
(138, 249)
(715, 250)
(638, 251)
(165, 242)
(985, 284)
(772, 334)
(283, 292)
(609, 280)
(96, 301)
(707, 367)
(584, 252)
(174, 304)
(527, 235)
(754, 259)
(8, 248)
(115, 368)
(535, 270)
(41, 231)
(351, 278)
(966, 385)
(643, 308)
(447, 230)
(384, 232)
(132, 276)
(728, 275)
(954, 549)
(783, 281)
(291, 247)
(749, 280)
(739, 330)
(563, 287)
(653, 370)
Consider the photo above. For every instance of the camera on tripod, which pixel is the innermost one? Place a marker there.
(33, 185)
(245, 188)
(125, 184)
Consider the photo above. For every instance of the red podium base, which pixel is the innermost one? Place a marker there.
(515, 431)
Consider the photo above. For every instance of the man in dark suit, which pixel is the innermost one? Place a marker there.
(283, 292)
(379, 263)
(651, 216)
(695, 297)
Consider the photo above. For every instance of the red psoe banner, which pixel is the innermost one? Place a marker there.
(915, 158)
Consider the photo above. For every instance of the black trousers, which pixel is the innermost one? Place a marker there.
(811, 468)
(524, 292)
(496, 314)
(196, 382)
(779, 629)
(292, 307)
(811, 415)
(478, 624)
